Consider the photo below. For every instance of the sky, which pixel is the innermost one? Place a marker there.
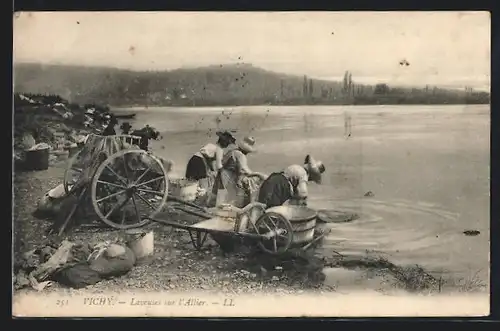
(450, 49)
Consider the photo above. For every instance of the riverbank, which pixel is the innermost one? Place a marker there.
(177, 267)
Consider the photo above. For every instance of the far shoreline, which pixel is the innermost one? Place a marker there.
(144, 107)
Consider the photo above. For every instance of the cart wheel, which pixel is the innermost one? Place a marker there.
(129, 188)
(73, 172)
(280, 241)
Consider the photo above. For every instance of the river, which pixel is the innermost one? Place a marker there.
(427, 166)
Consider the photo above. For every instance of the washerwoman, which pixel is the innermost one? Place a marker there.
(236, 177)
(291, 184)
(204, 165)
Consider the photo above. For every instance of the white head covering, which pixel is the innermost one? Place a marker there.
(247, 144)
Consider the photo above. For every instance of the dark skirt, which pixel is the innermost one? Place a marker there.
(275, 190)
(144, 144)
(196, 168)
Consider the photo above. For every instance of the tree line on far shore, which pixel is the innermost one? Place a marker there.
(224, 85)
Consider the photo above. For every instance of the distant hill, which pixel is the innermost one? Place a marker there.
(234, 84)
(223, 83)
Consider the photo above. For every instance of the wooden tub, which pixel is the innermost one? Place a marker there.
(303, 221)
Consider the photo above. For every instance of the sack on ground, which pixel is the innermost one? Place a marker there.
(77, 276)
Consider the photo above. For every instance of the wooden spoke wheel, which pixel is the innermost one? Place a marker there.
(128, 188)
(277, 233)
(72, 172)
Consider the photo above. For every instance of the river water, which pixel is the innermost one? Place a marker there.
(427, 166)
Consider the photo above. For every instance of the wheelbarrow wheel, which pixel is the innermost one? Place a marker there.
(281, 230)
(129, 188)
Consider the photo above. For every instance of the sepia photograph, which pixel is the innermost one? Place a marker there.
(251, 164)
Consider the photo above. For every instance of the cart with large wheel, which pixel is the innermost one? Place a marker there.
(115, 181)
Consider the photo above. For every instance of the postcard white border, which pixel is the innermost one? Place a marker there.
(167, 304)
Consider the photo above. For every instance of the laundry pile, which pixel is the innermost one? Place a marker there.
(50, 119)
(72, 264)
